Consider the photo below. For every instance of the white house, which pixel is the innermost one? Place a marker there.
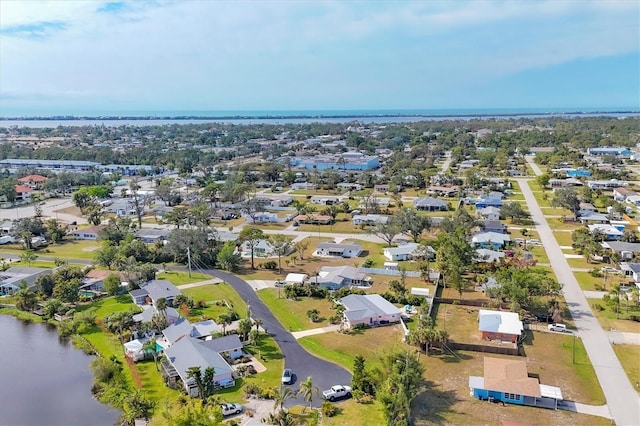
(296, 279)
(369, 219)
(500, 325)
(338, 250)
(335, 277)
(324, 200)
(262, 217)
(610, 232)
(370, 309)
(90, 233)
(489, 213)
(490, 240)
(403, 252)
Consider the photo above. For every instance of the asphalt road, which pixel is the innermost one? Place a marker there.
(324, 374)
(622, 398)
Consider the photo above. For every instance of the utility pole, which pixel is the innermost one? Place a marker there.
(189, 259)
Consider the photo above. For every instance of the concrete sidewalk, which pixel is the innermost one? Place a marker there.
(314, 331)
(624, 338)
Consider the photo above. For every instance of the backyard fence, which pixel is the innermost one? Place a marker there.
(484, 348)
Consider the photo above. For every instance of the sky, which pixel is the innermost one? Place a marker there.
(68, 57)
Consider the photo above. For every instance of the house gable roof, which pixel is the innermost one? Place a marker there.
(358, 306)
(161, 288)
(188, 352)
(510, 376)
(224, 344)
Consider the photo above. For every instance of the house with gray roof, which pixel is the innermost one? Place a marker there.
(489, 213)
(623, 250)
(370, 309)
(430, 204)
(227, 346)
(151, 235)
(157, 289)
(148, 311)
(338, 250)
(182, 327)
(187, 353)
(335, 277)
(488, 255)
(402, 252)
(493, 226)
(12, 278)
(369, 219)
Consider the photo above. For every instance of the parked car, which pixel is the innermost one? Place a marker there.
(534, 242)
(229, 409)
(337, 392)
(287, 376)
(559, 327)
(544, 317)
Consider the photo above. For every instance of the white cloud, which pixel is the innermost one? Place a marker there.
(228, 53)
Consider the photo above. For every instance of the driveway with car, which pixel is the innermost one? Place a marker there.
(324, 374)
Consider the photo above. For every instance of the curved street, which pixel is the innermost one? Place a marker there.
(324, 374)
(622, 398)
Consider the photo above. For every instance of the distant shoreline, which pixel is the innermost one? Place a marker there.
(306, 116)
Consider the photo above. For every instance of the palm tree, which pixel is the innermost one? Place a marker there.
(254, 337)
(195, 373)
(150, 345)
(281, 418)
(161, 306)
(258, 323)
(244, 327)
(225, 320)
(282, 395)
(307, 390)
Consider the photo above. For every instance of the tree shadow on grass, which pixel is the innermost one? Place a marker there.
(433, 403)
(448, 355)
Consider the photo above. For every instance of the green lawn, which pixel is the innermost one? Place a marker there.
(581, 263)
(292, 313)
(629, 356)
(563, 238)
(69, 249)
(591, 283)
(212, 293)
(609, 318)
(179, 277)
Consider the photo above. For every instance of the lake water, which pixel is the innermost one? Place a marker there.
(44, 380)
(380, 119)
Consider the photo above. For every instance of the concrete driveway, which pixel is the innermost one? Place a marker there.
(301, 362)
(622, 398)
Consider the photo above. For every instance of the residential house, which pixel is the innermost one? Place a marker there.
(489, 213)
(564, 183)
(405, 252)
(313, 219)
(12, 278)
(182, 327)
(371, 310)
(23, 194)
(35, 182)
(488, 256)
(381, 188)
(296, 279)
(633, 199)
(493, 226)
(610, 233)
(324, 200)
(610, 150)
(94, 279)
(263, 248)
(578, 173)
(493, 199)
(152, 235)
(262, 217)
(588, 217)
(347, 186)
(369, 219)
(500, 325)
(228, 346)
(443, 191)
(303, 186)
(430, 204)
(606, 184)
(507, 380)
(587, 207)
(621, 193)
(90, 233)
(7, 227)
(343, 161)
(335, 277)
(380, 202)
(338, 250)
(490, 240)
(631, 270)
(274, 200)
(153, 290)
(148, 311)
(187, 353)
(623, 250)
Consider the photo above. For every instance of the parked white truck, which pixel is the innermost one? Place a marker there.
(337, 392)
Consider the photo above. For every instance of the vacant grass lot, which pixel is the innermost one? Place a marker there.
(68, 249)
(180, 278)
(581, 263)
(629, 356)
(608, 317)
(292, 314)
(553, 211)
(343, 227)
(563, 238)
(556, 223)
(212, 293)
(589, 282)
